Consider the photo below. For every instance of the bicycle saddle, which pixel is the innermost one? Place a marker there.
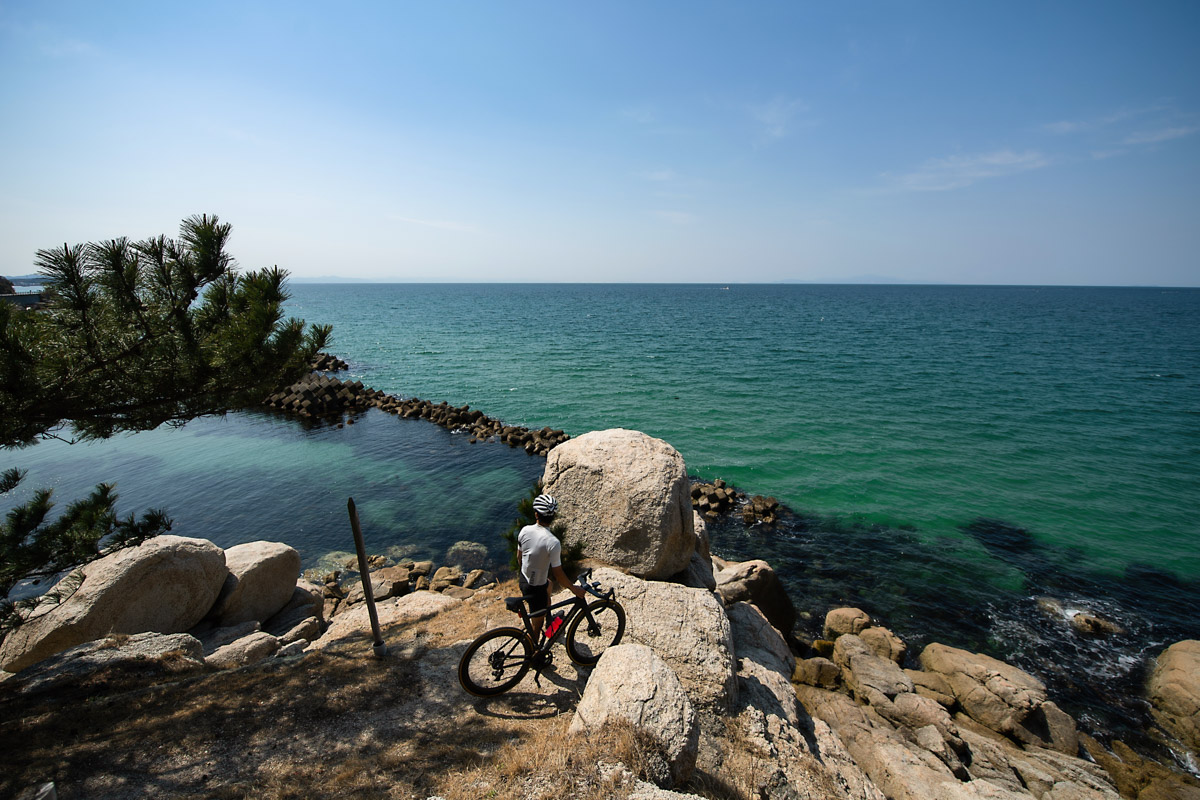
(513, 604)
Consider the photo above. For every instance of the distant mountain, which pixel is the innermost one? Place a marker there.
(26, 280)
(328, 279)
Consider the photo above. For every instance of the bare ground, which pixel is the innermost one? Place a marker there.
(334, 723)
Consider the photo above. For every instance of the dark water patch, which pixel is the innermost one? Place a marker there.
(1001, 538)
(1016, 603)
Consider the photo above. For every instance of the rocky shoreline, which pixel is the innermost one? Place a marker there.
(715, 501)
(840, 715)
(729, 693)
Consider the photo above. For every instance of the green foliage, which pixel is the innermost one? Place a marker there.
(6, 286)
(37, 549)
(134, 335)
(138, 334)
(571, 554)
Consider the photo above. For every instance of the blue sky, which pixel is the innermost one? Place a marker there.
(963, 142)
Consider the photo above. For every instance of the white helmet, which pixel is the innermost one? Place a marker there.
(545, 505)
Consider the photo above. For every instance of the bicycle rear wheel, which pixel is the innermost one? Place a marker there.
(495, 662)
(593, 632)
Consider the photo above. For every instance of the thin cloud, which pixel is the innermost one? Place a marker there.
(1160, 135)
(643, 115)
(445, 225)
(1067, 127)
(660, 175)
(675, 217)
(957, 172)
(779, 117)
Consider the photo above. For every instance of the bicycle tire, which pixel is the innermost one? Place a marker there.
(491, 666)
(585, 647)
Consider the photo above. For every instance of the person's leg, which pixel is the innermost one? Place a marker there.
(539, 601)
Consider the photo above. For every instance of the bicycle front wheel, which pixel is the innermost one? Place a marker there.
(495, 662)
(594, 631)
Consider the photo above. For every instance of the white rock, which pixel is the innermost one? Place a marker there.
(356, 622)
(632, 683)
(166, 585)
(626, 497)
(685, 627)
(246, 650)
(262, 579)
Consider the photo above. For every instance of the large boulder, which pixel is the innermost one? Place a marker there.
(165, 585)
(1174, 690)
(756, 582)
(754, 637)
(630, 682)
(841, 621)
(262, 579)
(625, 497)
(686, 627)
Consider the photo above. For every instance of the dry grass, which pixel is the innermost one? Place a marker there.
(336, 723)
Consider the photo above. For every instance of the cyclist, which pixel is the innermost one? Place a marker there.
(540, 554)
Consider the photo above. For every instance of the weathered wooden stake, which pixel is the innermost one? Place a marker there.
(379, 647)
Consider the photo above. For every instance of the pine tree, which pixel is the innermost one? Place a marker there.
(137, 334)
(134, 335)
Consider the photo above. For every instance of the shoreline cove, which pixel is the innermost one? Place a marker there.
(1114, 695)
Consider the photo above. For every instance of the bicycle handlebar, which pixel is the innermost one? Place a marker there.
(592, 587)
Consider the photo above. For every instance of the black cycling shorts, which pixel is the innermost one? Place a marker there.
(538, 597)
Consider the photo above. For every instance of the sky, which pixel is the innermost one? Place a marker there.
(955, 142)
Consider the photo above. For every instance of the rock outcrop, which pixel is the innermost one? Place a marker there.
(755, 582)
(166, 585)
(1002, 697)
(1008, 741)
(262, 578)
(687, 628)
(630, 682)
(1174, 691)
(164, 652)
(624, 495)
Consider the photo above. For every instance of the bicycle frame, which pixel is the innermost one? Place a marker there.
(542, 643)
(510, 651)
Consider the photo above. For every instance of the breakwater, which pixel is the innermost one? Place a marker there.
(322, 397)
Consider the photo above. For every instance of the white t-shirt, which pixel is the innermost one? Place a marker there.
(540, 551)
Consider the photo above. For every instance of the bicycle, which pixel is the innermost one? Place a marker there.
(498, 660)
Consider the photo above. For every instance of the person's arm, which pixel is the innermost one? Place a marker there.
(561, 579)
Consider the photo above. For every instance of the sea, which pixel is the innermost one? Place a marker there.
(969, 464)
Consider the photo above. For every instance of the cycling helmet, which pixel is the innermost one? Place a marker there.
(545, 505)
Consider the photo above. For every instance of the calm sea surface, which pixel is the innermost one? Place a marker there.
(951, 454)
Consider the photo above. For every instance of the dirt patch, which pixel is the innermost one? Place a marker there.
(334, 723)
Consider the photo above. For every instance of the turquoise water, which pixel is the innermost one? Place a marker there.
(1074, 413)
(949, 454)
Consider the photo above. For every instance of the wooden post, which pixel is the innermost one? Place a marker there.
(379, 647)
